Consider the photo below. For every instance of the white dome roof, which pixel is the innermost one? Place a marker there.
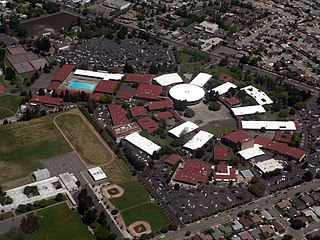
(189, 92)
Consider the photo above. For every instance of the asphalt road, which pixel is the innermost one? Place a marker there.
(265, 203)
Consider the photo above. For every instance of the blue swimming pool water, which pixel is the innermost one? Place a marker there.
(82, 85)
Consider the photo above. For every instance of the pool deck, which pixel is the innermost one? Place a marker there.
(66, 85)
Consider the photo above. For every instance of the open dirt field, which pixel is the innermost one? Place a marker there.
(24, 144)
(54, 21)
(92, 149)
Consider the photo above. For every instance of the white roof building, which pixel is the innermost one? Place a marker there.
(69, 181)
(142, 143)
(41, 174)
(183, 128)
(258, 95)
(168, 79)
(224, 88)
(187, 92)
(247, 110)
(97, 174)
(200, 139)
(252, 152)
(101, 75)
(269, 125)
(201, 79)
(269, 165)
(208, 27)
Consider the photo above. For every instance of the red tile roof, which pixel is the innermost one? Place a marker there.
(283, 137)
(123, 130)
(147, 91)
(225, 77)
(280, 147)
(238, 136)
(53, 86)
(106, 86)
(193, 172)
(232, 101)
(141, 78)
(138, 111)
(173, 159)
(147, 123)
(63, 73)
(225, 173)
(124, 95)
(118, 115)
(46, 100)
(159, 105)
(220, 153)
(2, 90)
(163, 115)
(95, 96)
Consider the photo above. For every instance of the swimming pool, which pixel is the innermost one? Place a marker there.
(82, 85)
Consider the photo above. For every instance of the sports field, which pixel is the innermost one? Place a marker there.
(88, 144)
(148, 212)
(24, 144)
(59, 222)
(117, 171)
(134, 206)
(9, 105)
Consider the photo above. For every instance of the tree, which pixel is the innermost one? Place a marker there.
(287, 237)
(42, 44)
(189, 113)
(10, 74)
(224, 62)
(106, 99)
(199, 153)
(180, 105)
(59, 197)
(101, 233)
(85, 202)
(22, 31)
(214, 106)
(297, 224)
(308, 176)
(14, 22)
(89, 216)
(5, 122)
(102, 219)
(176, 187)
(128, 68)
(29, 224)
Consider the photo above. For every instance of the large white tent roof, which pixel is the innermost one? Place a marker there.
(258, 95)
(200, 139)
(188, 92)
(97, 173)
(183, 128)
(269, 165)
(101, 75)
(239, 111)
(201, 79)
(224, 88)
(252, 152)
(143, 143)
(269, 125)
(168, 79)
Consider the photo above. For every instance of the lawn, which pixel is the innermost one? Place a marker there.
(117, 171)
(9, 105)
(84, 140)
(223, 129)
(59, 222)
(134, 194)
(148, 212)
(189, 63)
(24, 144)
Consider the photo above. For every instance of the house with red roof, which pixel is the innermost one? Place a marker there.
(173, 159)
(238, 140)
(163, 115)
(124, 96)
(225, 173)
(283, 137)
(118, 115)
(53, 85)
(193, 172)
(148, 91)
(148, 124)
(138, 111)
(63, 73)
(106, 87)
(159, 105)
(232, 102)
(47, 101)
(119, 132)
(280, 148)
(95, 96)
(140, 78)
(220, 153)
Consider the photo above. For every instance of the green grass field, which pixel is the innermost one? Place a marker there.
(223, 129)
(24, 144)
(59, 222)
(83, 139)
(117, 171)
(148, 212)
(189, 64)
(9, 105)
(134, 194)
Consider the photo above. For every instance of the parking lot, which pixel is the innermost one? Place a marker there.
(105, 53)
